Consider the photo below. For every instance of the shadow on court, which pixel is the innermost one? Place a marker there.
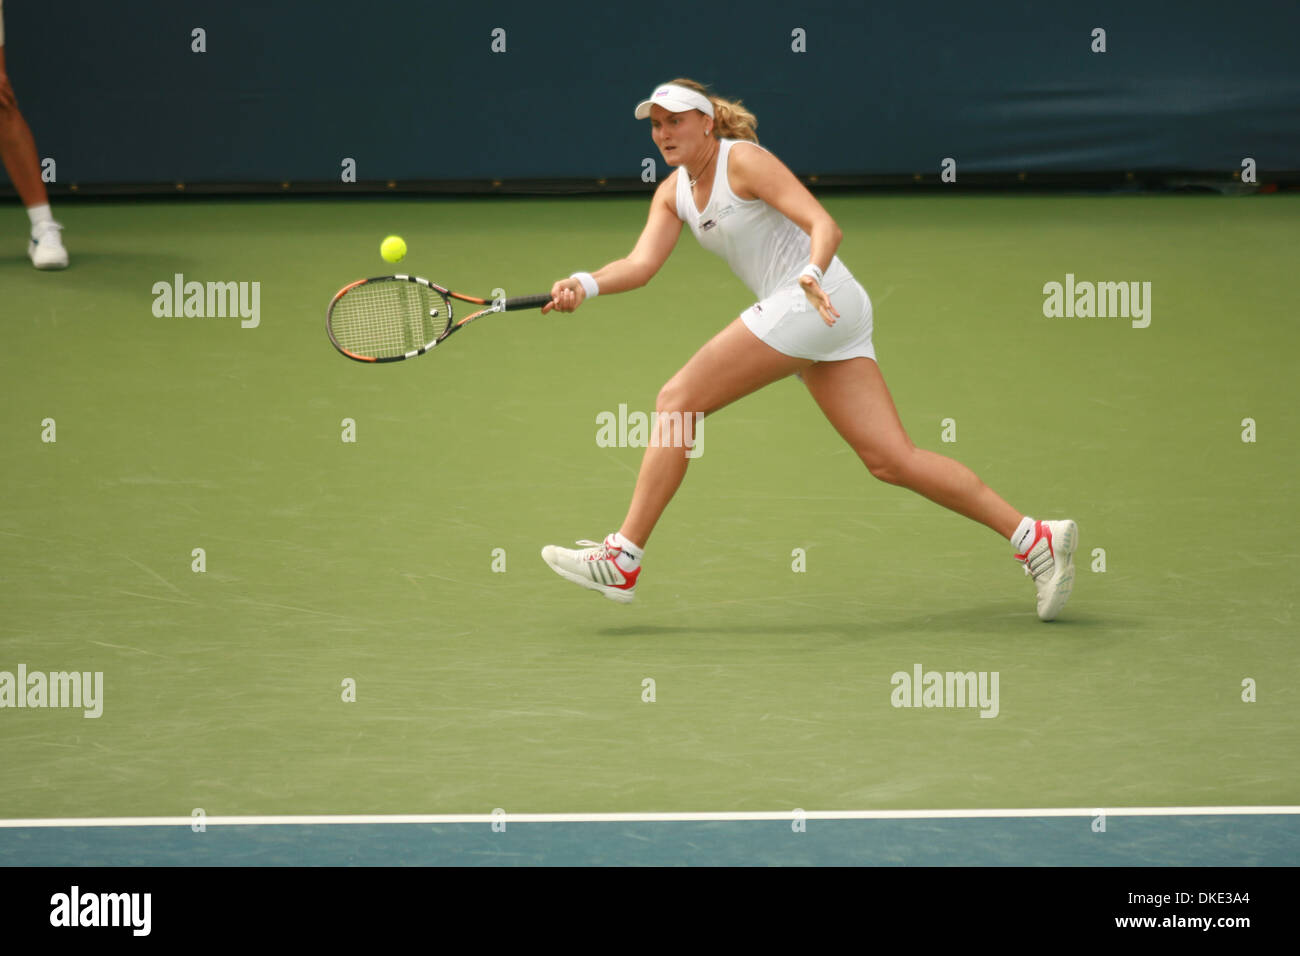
(1005, 619)
(791, 629)
(1008, 618)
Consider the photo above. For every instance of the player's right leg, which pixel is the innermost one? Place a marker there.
(734, 363)
(18, 153)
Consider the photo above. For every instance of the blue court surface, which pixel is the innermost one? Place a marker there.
(1216, 838)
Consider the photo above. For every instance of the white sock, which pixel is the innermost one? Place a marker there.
(1023, 536)
(630, 559)
(40, 214)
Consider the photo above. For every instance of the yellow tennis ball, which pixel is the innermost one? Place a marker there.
(393, 248)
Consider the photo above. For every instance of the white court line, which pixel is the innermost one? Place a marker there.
(722, 816)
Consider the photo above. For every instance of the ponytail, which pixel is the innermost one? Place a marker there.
(730, 118)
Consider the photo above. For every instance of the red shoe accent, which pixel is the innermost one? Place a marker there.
(629, 577)
(1040, 530)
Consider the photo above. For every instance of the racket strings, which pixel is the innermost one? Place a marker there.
(387, 319)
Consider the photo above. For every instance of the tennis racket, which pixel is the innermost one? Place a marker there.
(390, 318)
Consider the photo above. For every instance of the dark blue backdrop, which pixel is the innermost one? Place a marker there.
(412, 90)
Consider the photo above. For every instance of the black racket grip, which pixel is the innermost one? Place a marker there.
(527, 302)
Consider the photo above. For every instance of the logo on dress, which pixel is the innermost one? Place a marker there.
(708, 224)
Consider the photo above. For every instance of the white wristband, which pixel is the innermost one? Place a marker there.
(811, 269)
(588, 284)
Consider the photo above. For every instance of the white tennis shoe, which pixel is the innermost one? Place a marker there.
(596, 567)
(1049, 560)
(46, 247)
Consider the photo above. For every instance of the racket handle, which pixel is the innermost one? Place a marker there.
(527, 302)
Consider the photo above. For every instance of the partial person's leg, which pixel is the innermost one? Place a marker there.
(18, 147)
(18, 153)
(855, 399)
(731, 365)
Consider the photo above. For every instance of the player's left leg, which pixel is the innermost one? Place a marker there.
(853, 395)
(18, 153)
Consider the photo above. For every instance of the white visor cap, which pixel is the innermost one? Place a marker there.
(675, 99)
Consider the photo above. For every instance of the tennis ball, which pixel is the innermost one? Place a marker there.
(393, 248)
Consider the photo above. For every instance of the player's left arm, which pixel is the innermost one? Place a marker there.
(756, 173)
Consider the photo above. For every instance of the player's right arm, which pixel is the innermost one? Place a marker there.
(639, 266)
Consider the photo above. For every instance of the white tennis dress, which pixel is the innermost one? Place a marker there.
(767, 252)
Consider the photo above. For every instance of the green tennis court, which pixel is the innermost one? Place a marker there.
(782, 592)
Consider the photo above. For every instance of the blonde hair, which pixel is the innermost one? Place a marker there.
(730, 118)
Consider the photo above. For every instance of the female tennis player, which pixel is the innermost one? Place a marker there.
(812, 318)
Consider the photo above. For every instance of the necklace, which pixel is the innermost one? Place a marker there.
(697, 178)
